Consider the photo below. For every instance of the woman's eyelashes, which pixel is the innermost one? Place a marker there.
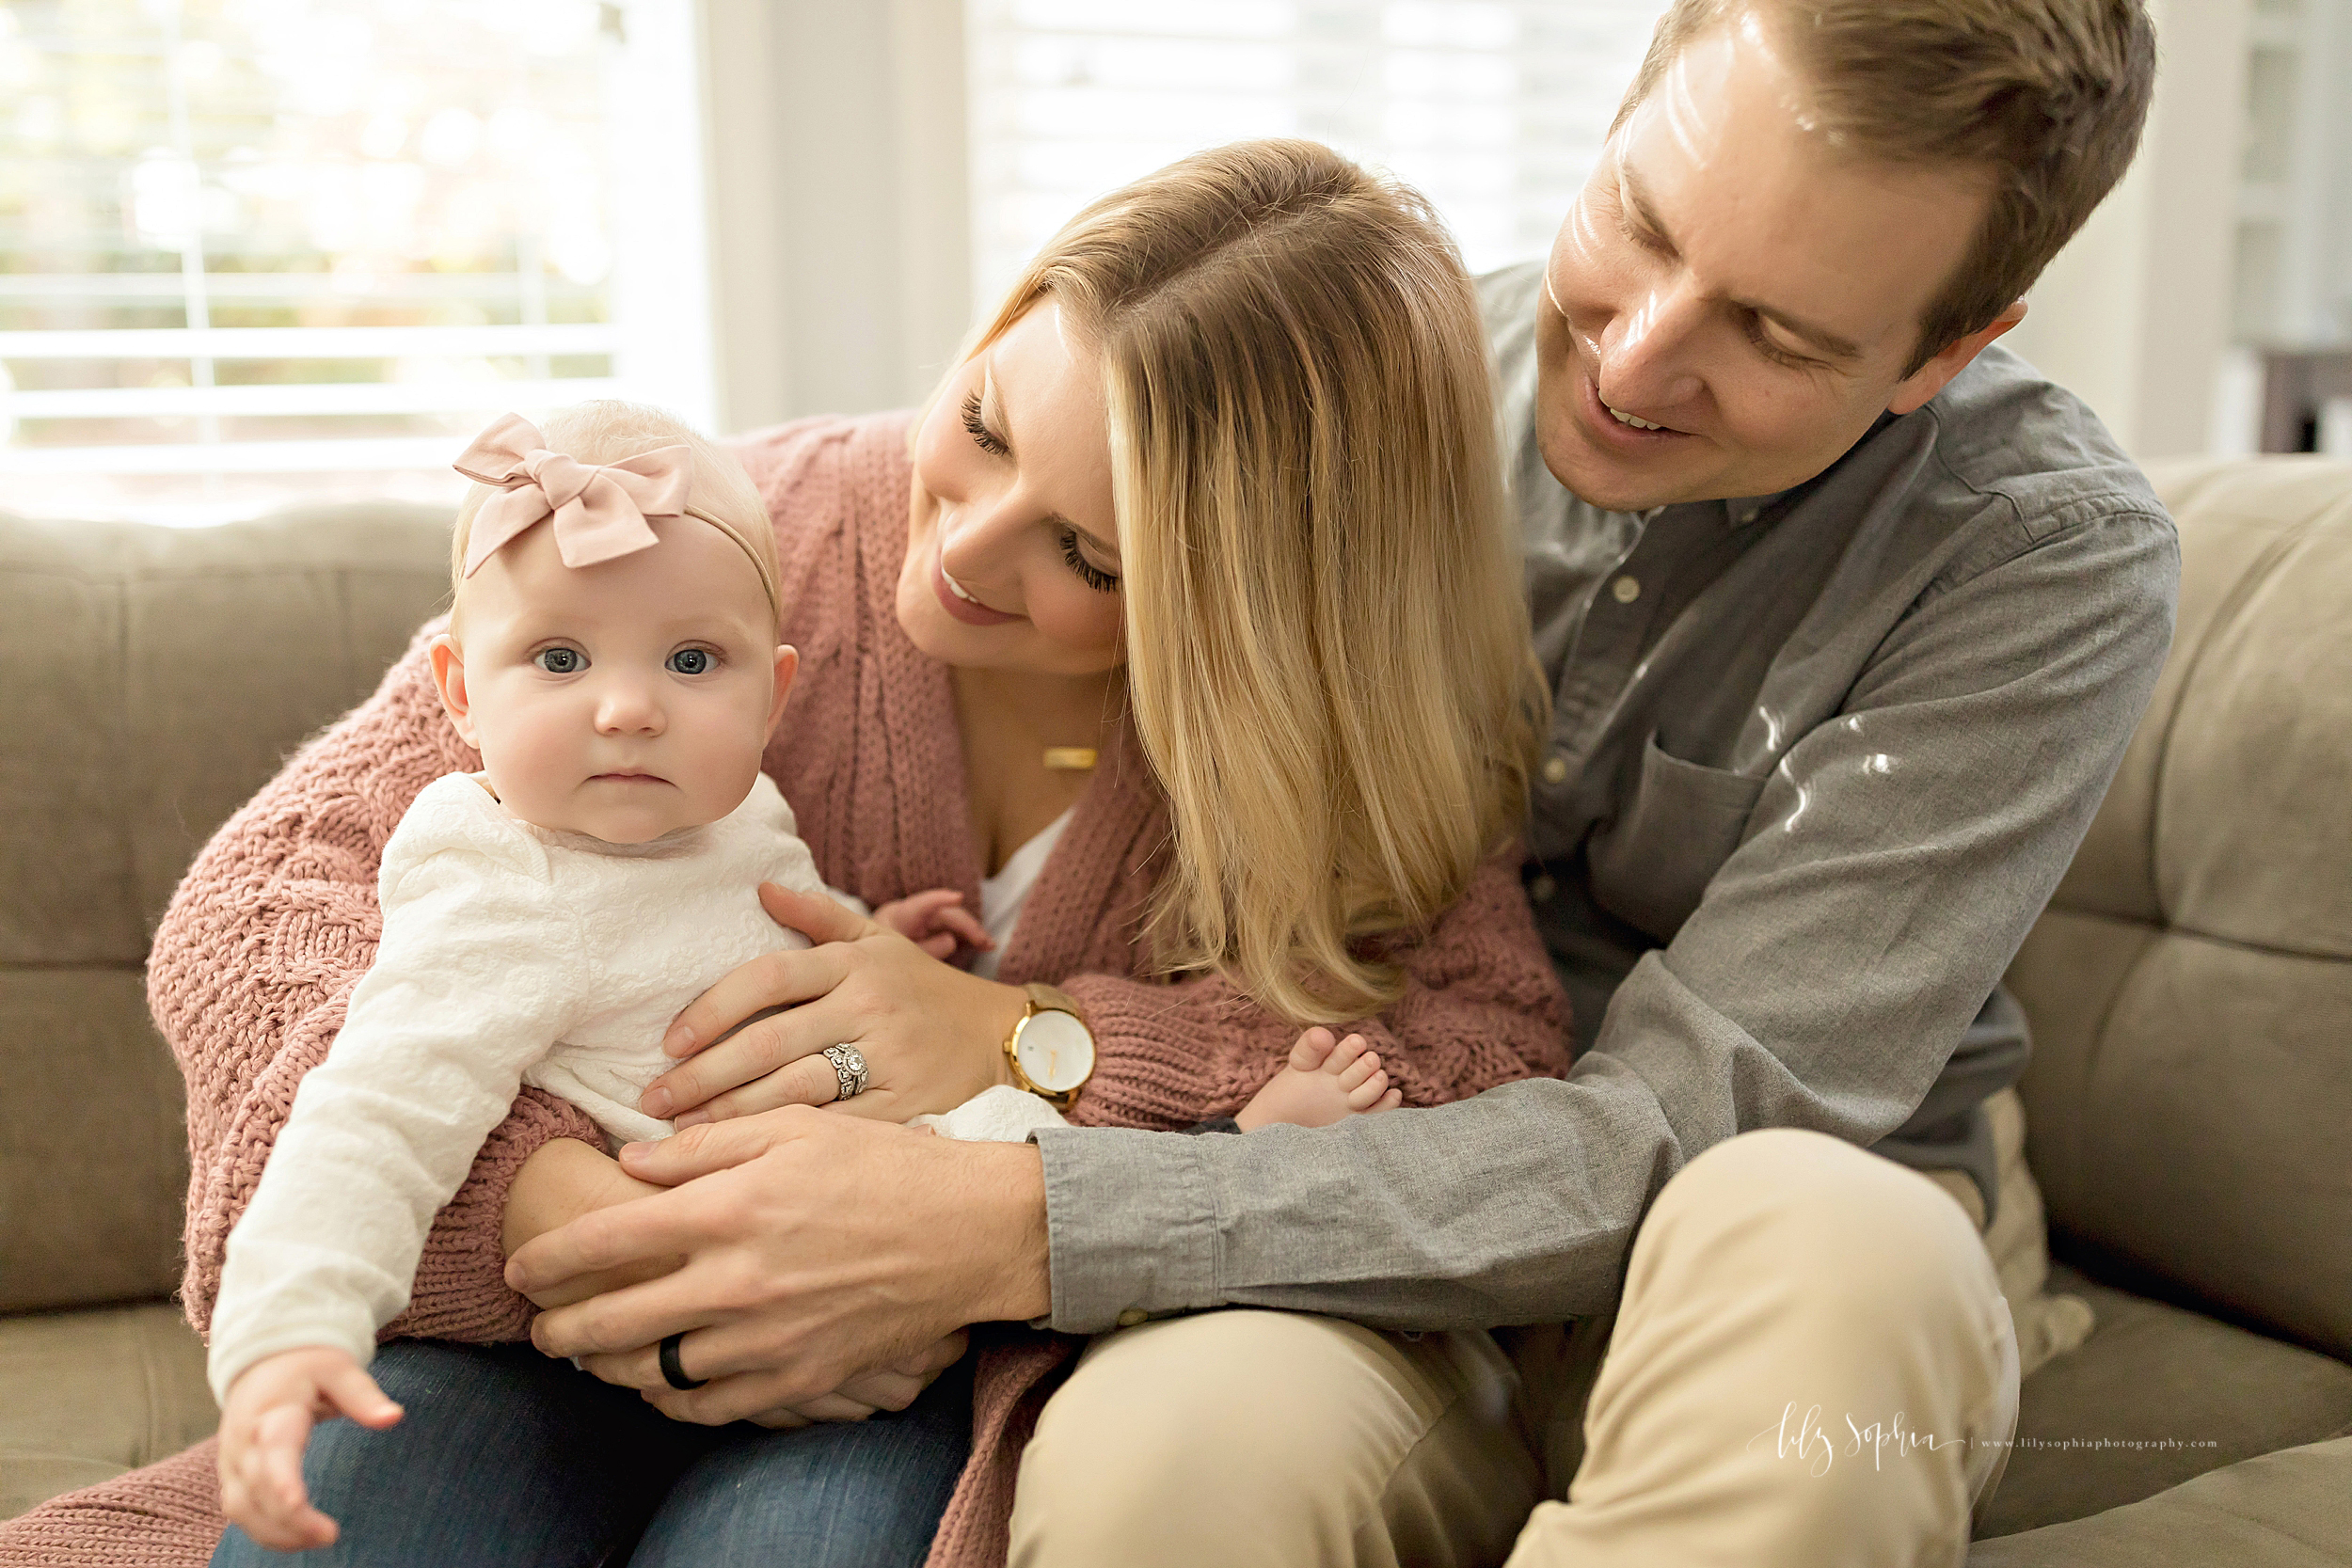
(990, 442)
(1088, 573)
(983, 437)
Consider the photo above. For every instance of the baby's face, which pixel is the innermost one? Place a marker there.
(624, 700)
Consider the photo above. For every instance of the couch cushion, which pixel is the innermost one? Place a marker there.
(93, 1158)
(2290, 1510)
(2190, 988)
(84, 1396)
(158, 676)
(156, 679)
(2151, 1373)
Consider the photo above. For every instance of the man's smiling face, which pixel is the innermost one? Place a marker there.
(1730, 275)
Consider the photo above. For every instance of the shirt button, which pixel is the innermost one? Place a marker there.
(1625, 590)
(1541, 889)
(1555, 768)
(1132, 1316)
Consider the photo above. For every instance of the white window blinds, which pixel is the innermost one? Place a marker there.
(1494, 109)
(261, 250)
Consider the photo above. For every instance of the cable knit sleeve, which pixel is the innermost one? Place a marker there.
(1480, 1007)
(255, 962)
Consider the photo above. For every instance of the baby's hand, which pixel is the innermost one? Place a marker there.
(264, 1427)
(935, 922)
(1324, 1084)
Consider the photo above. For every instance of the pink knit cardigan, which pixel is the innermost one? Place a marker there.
(276, 920)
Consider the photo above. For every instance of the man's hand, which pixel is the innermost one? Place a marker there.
(266, 1424)
(819, 1250)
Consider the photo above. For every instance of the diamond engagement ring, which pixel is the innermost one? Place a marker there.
(849, 1065)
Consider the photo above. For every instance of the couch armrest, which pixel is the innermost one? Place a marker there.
(2292, 1509)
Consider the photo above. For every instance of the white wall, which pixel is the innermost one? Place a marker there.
(839, 201)
(2134, 315)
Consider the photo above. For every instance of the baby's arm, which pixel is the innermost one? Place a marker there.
(1324, 1082)
(470, 985)
(935, 921)
(581, 1180)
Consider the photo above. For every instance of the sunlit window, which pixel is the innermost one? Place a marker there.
(1494, 109)
(264, 250)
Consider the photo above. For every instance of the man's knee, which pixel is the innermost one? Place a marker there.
(1246, 1436)
(1809, 1205)
(1158, 1418)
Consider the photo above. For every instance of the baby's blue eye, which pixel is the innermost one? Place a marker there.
(690, 661)
(559, 662)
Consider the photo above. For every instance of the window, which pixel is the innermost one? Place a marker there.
(261, 250)
(2288, 387)
(1496, 109)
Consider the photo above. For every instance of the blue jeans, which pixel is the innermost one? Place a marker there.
(506, 1457)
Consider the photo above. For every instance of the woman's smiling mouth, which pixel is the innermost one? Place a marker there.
(957, 603)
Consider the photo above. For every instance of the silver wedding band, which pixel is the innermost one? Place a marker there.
(849, 1066)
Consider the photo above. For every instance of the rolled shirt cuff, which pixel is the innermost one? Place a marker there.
(1131, 1224)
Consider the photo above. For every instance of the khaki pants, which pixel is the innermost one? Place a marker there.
(1812, 1364)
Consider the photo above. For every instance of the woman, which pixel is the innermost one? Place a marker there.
(1214, 498)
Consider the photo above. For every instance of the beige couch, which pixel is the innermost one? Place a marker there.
(2190, 990)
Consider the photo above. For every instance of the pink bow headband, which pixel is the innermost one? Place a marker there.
(598, 512)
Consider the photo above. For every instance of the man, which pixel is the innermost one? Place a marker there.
(1848, 621)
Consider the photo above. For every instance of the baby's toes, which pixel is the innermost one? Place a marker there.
(1345, 1056)
(1307, 1054)
(1360, 1070)
(1390, 1100)
(1366, 1095)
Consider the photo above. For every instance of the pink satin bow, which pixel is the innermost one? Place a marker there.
(599, 513)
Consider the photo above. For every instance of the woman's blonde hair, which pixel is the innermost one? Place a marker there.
(608, 431)
(1327, 653)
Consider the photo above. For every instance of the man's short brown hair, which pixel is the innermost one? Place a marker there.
(2048, 95)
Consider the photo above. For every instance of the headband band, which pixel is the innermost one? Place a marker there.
(599, 512)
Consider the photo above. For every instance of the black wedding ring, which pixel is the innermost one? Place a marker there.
(673, 1371)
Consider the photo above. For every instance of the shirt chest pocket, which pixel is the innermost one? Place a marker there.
(1651, 865)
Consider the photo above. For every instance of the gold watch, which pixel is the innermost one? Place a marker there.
(1051, 1050)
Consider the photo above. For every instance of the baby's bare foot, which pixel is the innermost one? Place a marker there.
(1309, 1051)
(1326, 1081)
(1358, 1067)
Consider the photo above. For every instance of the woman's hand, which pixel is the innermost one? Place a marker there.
(931, 1036)
(892, 1387)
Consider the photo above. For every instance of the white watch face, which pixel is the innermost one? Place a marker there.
(1055, 1051)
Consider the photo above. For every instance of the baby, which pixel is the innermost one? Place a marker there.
(546, 919)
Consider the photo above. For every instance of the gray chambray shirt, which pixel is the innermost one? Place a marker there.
(1816, 762)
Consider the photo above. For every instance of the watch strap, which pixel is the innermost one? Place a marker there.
(1046, 998)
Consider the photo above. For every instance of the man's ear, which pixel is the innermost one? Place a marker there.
(449, 674)
(1931, 378)
(787, 665)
